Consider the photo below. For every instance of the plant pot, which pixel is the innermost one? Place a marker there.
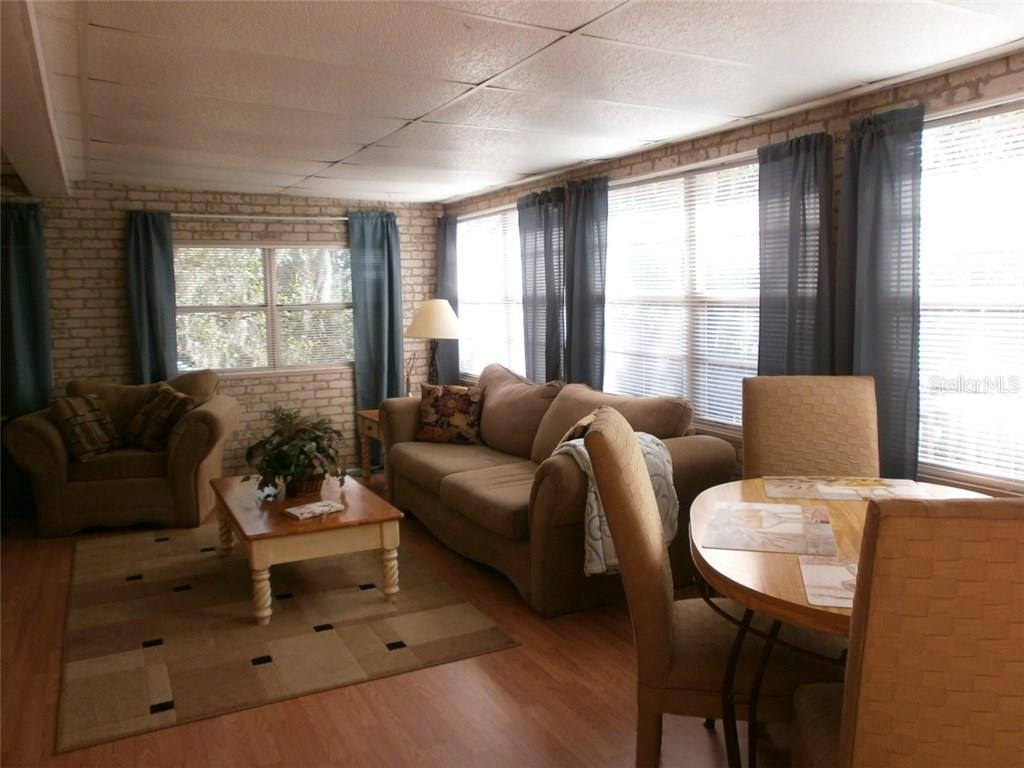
(303, 486)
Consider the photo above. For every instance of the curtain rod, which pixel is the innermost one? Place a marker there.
(239, 217)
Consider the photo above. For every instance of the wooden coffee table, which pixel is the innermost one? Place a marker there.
(270, 537)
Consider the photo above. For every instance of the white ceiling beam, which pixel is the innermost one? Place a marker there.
(28, 131)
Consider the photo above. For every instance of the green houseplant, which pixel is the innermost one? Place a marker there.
(300, 451)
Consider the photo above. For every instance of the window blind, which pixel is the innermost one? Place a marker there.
(682, 290)
(263, 307)
(972, 297)
(490, 280)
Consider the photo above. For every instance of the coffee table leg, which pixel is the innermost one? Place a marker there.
(261, 594)
(390, 560)
(226, 543)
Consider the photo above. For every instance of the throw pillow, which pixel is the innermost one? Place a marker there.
(152, 425)
(450, 414)
(579, 430)
(86, 426)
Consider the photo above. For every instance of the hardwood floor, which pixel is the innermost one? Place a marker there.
(563, 698)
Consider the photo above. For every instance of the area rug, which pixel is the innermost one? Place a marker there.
(160, 631)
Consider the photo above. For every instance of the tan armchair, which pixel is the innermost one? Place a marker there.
(682, 647)
(810, 425)
(126, 486)
(935, 676)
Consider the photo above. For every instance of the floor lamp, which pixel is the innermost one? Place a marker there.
(434, 320)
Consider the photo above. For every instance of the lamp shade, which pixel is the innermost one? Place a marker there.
(435, 319)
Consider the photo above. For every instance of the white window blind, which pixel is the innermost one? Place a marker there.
(972, 297)
(682, 289)
(490, 293)
(240, 308)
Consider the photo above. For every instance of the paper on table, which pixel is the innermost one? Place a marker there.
(829, 581)
(316, 509)
(840, 488)
(761, 527)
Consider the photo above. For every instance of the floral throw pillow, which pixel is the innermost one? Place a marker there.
(450, 414)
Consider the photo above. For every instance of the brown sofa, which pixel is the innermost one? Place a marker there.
(127, 486)
(510, 504)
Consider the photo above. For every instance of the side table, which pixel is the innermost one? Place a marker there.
(368, 426)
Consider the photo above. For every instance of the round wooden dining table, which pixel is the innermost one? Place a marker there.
(770, 583)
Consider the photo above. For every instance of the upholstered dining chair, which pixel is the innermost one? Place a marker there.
(682, 646)
(810, 425)
(935, 675)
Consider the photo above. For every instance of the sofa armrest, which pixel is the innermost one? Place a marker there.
(558, 495)
(699, 462)
(37, 446)
(399, 420)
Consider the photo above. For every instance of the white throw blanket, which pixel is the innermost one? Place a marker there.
(598, 549)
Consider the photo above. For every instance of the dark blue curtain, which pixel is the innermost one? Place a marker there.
(448, 288)
(586, 255)
(795, 197)
(25, 345)
(27, 370)
(877, 275)
(151, 296)
(541, 243)
(377, 307)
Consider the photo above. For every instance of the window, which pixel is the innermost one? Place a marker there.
(490, 293)
(258, 307)
(681, 315)
(972, 297)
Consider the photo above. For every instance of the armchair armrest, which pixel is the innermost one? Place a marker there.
(195, 452)
(37, 446)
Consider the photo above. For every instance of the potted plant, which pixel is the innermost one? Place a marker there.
(300, 451)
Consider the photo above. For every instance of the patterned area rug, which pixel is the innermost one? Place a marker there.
(160, 631)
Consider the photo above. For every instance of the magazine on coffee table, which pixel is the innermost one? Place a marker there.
(829, 582)
(841, 488)
(316, 509)
(765, 527)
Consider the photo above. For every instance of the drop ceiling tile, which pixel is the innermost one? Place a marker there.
(414, 157)
(398, 175)
(454, 138)
(165, 133)
(173, 173)
(565, 15)
(135, 153)
(130, 59)
(117, 101)
(68, 124)
(59, 41)
(835, 45)
(189, 184)
(418, 38)
(359, 189)
(1012, 10)
(523, 111)
(66, 10)
(598, 69)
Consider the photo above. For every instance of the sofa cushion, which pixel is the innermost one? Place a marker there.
(660, 416)
(152, 425)
(513, 409)
(450, 414)
(426, 464)
(497, 498)
(124, 464)
(85, 425)
(123, 400)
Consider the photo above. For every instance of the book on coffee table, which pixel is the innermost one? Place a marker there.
(764, 527)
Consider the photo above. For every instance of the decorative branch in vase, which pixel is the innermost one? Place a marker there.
(410, 366)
